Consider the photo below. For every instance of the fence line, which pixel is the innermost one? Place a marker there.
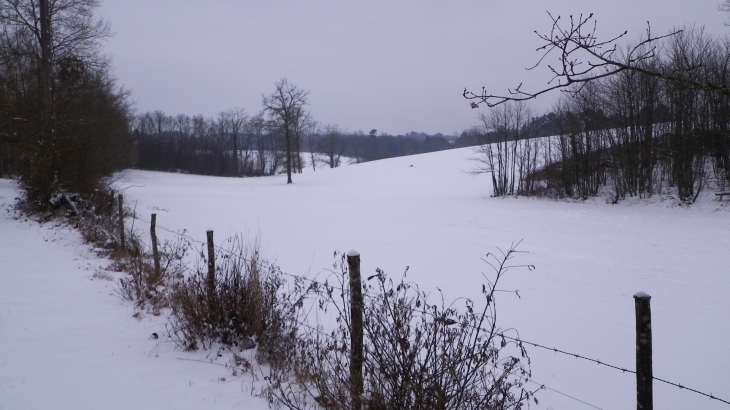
(502, 334)
(541, 385)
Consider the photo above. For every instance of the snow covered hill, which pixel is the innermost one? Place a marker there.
(59, 329)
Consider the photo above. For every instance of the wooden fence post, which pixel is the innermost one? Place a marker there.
(121, 222)
(155, 253)
(644, 374)
(211, 267)
(356, 334)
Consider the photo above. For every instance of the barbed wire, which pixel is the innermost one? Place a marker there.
(543, 386)
(555, 350)
(577, 356)
(500, 334)
(711, 396)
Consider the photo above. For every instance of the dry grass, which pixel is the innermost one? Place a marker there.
(246, 306)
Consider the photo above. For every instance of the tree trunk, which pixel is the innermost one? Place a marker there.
(288, 153)
(235, 154)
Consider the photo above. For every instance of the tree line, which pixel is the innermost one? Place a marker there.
(281, 137)
(630, 134)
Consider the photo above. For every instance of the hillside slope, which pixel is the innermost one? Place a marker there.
(427, 213)
(424, 212)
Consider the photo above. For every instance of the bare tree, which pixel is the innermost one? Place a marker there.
(58, 97)
(643, 115)
(276, 145)
(258, 131)
(162, 123)
(502, 153)
(222, 129)
(724, 6)
(144, 124)
(200, 126)
(233, 121)
(75, 32)
(582, 57)
(312, 138)
(183, 124)
(303, 125)
(331, 144)
(285, 106)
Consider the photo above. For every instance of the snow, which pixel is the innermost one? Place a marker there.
(58, 328)
(67, 341)
(353, 253)
(642, 295)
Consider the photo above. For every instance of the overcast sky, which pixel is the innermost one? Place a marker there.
(392, 65)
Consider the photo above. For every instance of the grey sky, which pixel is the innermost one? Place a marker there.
(396, 66)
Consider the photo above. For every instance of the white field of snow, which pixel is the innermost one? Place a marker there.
(421, 211)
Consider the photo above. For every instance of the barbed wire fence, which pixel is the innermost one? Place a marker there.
(504, 335)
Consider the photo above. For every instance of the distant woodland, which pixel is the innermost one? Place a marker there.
(634, 133)
(654, 120)
(660, 126)
(234, 144)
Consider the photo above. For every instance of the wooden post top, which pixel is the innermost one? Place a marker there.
(642, 295)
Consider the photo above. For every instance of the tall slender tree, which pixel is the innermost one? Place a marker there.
(285, 106)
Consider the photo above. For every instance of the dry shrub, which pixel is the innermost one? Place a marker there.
(146, 287)
(96, 216)
(243, 306)
(417, 355)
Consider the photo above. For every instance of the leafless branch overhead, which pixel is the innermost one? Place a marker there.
(582, 57)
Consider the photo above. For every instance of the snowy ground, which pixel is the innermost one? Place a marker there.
(67, 341)
(58, 329)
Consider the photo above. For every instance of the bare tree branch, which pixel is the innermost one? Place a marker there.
(583, 57)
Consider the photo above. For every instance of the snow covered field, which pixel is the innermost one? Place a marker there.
(66, 343)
